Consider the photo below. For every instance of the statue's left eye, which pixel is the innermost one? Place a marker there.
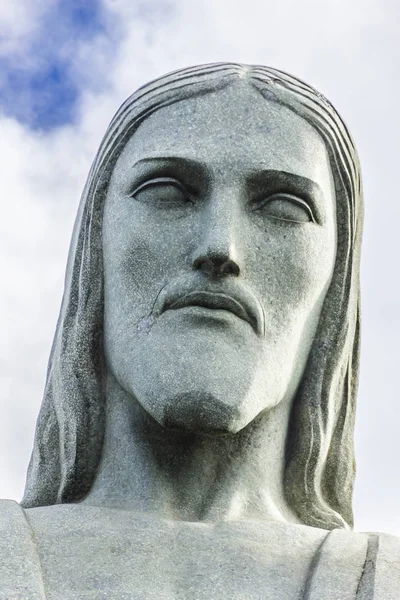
(162, 190)
(286, 207)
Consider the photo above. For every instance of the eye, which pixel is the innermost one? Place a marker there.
(286, 207)
(162, 191)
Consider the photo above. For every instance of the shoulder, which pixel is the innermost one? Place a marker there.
(12, 520)
(9, 506)
(60, 519)
(356, 566)
(20, 571)
(383, 565)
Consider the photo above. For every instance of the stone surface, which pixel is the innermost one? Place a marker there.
(195, 439)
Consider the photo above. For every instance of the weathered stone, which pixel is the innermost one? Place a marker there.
(196, 435)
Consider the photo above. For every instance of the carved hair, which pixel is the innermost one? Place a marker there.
(320, 465)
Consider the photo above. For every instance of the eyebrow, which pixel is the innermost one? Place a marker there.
(290, 179)
(273, 180)
(172, 160)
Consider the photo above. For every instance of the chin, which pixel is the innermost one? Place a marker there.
(203, 413)
(205, 384)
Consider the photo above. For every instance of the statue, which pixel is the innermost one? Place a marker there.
(195, 439)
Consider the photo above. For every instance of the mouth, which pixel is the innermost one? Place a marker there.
(216, 301)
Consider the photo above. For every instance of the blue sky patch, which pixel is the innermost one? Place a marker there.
(42, 92)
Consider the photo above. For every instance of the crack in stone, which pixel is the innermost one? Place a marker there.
(146, 323)
(366, 584)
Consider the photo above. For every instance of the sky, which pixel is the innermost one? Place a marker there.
(65, 67)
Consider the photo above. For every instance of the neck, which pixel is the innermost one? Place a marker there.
(180, 475)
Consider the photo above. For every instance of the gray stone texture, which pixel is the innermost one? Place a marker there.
(195, 439)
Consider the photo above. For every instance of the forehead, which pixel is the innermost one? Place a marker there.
(232, 129)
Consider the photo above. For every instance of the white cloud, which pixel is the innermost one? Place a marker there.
(347, 50)
(19, 20)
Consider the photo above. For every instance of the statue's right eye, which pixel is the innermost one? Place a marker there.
(162, 191)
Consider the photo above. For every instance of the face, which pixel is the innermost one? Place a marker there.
(219, 241)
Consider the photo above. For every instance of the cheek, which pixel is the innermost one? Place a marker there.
(133, 273)
(140, 256)
(298, 267)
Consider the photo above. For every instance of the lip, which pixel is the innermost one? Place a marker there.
(241, 305)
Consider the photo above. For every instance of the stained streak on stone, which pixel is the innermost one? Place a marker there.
(312, 569)
(37, 558)
(366, 585)
(366, 581)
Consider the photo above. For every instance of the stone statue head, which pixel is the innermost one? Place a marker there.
(132, 263)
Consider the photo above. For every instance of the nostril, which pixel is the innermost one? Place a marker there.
(229, 267)
(216, 265)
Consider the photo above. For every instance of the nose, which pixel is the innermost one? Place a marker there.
(216, 264)
(217, 251)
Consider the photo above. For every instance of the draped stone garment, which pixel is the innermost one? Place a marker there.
(345, 565)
